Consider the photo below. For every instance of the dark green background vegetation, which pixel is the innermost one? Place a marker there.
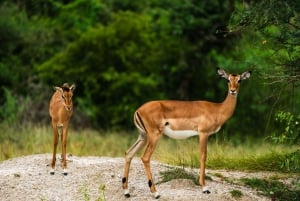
(121, 53)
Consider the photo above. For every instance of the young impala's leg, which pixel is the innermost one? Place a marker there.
(129, 154)
(152, 141)
(64, 136)
(55, 142)
(59, 128)
(203, 151)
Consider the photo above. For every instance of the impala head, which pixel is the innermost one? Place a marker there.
(234, 80)
(66, 92)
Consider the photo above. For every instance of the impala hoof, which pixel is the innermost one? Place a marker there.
(126, 193)
(65, 173)
(205, 190)
(156, 195)
(52, 172)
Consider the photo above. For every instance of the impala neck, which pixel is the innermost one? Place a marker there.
(228, 106)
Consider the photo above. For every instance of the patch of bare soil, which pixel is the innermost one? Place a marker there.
(99, 178)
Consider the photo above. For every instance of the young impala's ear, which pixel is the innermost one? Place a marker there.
(58, 89)
(222, 73)
(245, 75)
(72, 87)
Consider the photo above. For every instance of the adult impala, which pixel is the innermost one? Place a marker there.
(61, 109)
(180, 120)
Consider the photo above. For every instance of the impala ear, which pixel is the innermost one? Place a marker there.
(222, 73)
(58, 89)
(72, 87)
(65, 86)
(245, 75)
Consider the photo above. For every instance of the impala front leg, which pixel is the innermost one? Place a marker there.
(55, 142)
(64, 134)
(203, 152)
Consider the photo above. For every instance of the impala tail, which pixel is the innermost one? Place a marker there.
(138, 122)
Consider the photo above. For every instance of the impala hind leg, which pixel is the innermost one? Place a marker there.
(146, 160)
(55, 142)
(129, 154)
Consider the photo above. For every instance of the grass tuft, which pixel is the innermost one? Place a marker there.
(179, 173)
(236, 194)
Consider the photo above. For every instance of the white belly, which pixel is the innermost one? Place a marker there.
(178, 134)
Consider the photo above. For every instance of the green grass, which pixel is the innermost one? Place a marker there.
(222, 154)
(273, 188)
(251, 155)
(38, 139)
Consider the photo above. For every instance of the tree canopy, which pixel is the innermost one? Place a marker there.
(123, 53)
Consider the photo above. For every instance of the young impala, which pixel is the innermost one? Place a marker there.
(180, 120)
(61, 109)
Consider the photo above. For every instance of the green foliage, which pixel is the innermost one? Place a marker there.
(123, 53)
(292, 162)
(13, 31)
(139, 52)
(274, 28)
(290, 134)
(272, 188)
(120, 54)
(11, 109)
(291, 128)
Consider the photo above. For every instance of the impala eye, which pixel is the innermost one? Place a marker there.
(239, 81)
(63, 96)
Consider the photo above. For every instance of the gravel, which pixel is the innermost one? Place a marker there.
(99, 178)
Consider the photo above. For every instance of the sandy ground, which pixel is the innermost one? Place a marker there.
(99, 178)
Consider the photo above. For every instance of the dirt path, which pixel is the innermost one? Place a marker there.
(28, 178)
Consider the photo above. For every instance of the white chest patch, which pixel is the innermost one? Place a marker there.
(178, 134)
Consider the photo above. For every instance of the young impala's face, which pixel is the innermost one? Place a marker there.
(67, 96)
